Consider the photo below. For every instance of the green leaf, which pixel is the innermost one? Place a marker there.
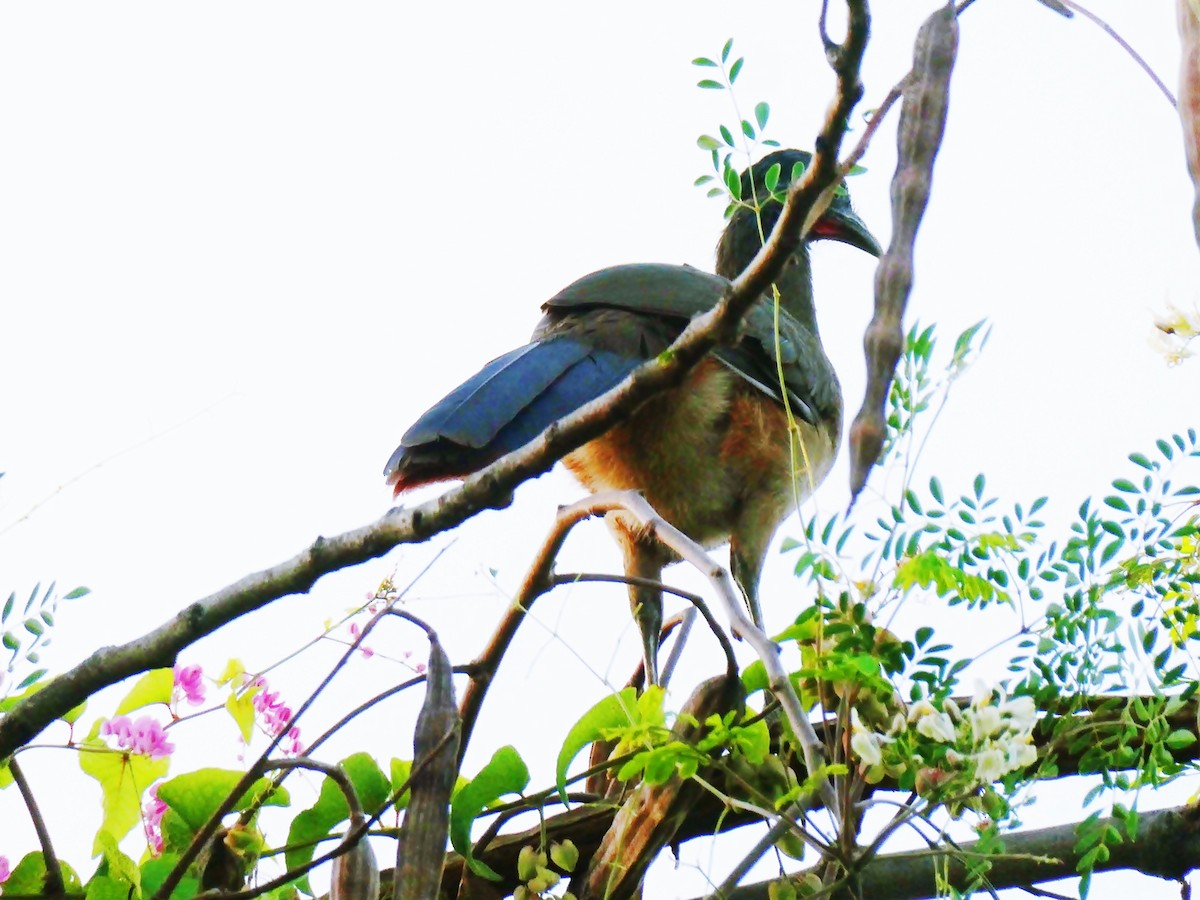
(29, 876)
(77, 593)
(727, 137)
(733, 183)
(331, 809)
(1180, 738)
(119, 867)
(736, 69)
(709, 85)
(755, 678)
(771, 179)
(1140, 459)
(153, 687)
(708, 142)
(241, 708)
(753, 741)
(613, 711)
(195, 796)
(155, 872)
(506, 773)
(725, 50)
(761, 113)
(704, 61)
(1117, 503)
(105, 887)
(122, 778)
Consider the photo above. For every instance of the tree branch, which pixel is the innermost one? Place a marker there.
(1167, 846)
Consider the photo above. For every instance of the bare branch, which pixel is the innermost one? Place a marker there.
(53, 885)
(1124, 44)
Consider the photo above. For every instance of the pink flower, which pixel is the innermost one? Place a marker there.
(152, 813)
(291, 743)
(5, 870)
(143, 736)
(189, 685)
(356, 635)
(276, 717)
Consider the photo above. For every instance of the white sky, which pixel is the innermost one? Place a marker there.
(269, 235)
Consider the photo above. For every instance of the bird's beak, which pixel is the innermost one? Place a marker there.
(845, 226)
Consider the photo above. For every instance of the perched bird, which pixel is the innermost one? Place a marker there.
(712, 455)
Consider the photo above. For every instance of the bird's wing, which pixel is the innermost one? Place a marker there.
(508, 403)
(652, 289)
(767, 345)
(666, 297)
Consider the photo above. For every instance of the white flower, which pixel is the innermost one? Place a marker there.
(936, 726)
(919, 709)
(868, 746)
(1021, 753)
(1021, 712)
(990, 765)
(1175, 321)
(983, 694)
(985, 722)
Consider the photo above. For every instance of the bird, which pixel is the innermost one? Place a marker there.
(713, 455)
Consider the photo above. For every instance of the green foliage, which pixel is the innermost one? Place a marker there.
(738, 141)
(153, 687)
(196, 796)
(26, 632)
(611, 712)
(123, 778)
(318, 822)
(29, 876)
(505, 773)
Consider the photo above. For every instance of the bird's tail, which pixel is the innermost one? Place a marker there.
(504, 406)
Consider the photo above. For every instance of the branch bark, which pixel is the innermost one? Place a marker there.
(1167, 846)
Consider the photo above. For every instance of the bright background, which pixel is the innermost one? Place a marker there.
(243, 246)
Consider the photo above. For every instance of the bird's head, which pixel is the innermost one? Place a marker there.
(764, 187)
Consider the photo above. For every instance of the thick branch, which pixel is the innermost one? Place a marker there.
(1166, 846)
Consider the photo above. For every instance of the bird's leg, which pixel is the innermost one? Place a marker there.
(643, 560)
(746, 568)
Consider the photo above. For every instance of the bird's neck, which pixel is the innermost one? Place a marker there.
(796, 290)
(794, 284)
(740, 242)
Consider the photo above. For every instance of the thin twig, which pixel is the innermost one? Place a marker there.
(1125, 45)
(685, 631)
(53, 885)
(697, 602)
